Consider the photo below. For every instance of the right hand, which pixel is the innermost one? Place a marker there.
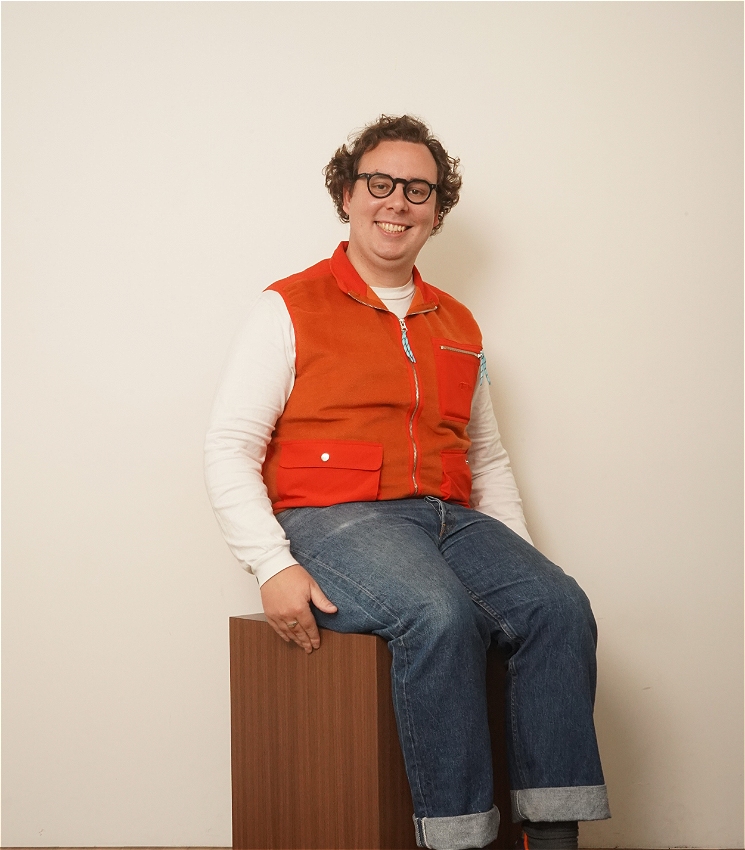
(286, 598)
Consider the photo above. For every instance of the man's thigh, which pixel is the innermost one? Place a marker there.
(508, 578)
(379, 562)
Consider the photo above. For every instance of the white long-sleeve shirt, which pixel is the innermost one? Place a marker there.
(256, 383)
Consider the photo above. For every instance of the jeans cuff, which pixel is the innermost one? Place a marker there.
(581, 802)
(458, 832)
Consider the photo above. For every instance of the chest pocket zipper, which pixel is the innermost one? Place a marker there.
(483, 373)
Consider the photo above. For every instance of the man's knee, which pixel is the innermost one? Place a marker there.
(564, 605)
(447, 618)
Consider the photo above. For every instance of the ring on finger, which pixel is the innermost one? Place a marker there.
(291, 624)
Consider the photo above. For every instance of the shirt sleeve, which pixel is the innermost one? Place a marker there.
(493, 489)
(256, 382)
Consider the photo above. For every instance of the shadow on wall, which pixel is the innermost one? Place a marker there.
(626, 756)
(456, 260)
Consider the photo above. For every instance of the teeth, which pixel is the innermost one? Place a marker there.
(391, 228)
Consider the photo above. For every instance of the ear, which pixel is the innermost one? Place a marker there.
(346, 195)
(436, 218)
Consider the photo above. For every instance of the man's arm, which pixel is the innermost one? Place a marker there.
(256, 382)
(493, 491)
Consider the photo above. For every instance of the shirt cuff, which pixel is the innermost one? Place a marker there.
(274, 563)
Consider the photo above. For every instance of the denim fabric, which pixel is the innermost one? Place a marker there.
(439, 582)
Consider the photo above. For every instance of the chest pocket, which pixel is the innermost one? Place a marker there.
(458, 365)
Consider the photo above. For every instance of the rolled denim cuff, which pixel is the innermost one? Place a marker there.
(459, 832)
(582, 802)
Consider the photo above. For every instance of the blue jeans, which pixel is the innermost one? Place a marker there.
(439, 582)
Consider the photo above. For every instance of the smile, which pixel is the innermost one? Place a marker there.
(391, 228)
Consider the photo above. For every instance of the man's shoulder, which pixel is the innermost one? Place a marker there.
(318, 273)
(450, 302)
(443, 294)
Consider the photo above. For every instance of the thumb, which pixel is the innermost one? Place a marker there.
(320, 600)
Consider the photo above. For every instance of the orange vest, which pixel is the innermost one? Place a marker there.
(380, 405)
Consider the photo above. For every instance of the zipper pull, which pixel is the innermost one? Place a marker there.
(405, 341)
(482, 368)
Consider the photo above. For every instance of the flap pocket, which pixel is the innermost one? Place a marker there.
(331, 454)
(328, 472)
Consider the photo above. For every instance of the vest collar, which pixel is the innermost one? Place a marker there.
(425, 298)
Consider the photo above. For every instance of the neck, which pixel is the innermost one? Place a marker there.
(383, 275)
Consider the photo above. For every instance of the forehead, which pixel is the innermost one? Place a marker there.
(400, 159)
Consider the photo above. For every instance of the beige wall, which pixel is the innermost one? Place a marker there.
(162, 164)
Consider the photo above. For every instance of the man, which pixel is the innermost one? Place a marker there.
(355, 466)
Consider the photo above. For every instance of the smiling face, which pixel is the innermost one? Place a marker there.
(386, 234)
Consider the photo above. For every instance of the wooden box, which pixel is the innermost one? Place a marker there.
(316, 762)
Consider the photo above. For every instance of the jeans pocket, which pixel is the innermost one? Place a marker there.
(320, 473)
(456, 477)
(457, 365)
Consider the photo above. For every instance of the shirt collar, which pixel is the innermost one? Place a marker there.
(349, 281)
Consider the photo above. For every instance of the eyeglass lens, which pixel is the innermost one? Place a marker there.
(382, 185)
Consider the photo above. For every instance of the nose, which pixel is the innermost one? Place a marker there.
(397, 200)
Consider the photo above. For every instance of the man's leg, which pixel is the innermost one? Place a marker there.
(543, 621)
(379, 563)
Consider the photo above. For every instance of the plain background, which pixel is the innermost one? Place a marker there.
(162, 165)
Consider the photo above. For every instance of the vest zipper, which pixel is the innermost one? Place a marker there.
(405, 341)
(410, 355)
(481, 358)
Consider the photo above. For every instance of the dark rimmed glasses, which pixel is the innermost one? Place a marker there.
(383, 185)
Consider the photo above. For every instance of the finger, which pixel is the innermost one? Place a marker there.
(310, 628)
(298, 634)
(298, 626)
(279, 630)
(320, 600)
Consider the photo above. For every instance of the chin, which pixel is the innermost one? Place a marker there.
(394, 253)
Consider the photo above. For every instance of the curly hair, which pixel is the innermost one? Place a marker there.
(341, 171)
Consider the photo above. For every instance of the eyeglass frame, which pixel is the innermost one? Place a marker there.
(433, 187)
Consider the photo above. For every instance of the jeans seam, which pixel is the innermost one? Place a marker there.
(518, 761)
(489, 611)
(409, 730)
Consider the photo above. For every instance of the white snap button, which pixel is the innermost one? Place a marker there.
(325, 456)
